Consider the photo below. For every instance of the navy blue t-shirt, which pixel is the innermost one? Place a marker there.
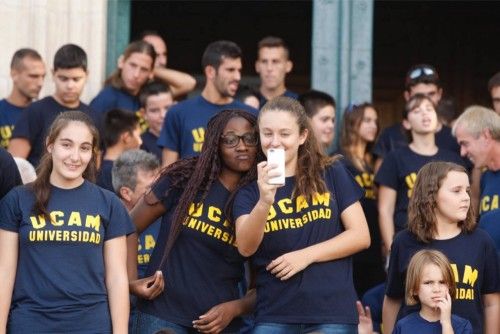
(323, 292)
(204, 266)
(9, 114)
(475, 265)
(394, 137)
(9, 174)
(287, 93)
(35, 121)
(145, 245)
(183, 130)
(149, 144)
(414, 323)
(105, 176)
(489, 210)
(60, 279)
(399, 172)
(111, 98)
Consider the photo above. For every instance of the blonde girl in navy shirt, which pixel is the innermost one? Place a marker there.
(430, 283)
(62, 242)
(301, 236)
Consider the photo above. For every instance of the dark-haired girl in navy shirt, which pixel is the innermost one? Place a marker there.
(440, 218)
(62, 242)
(301, 235)
(196, 247)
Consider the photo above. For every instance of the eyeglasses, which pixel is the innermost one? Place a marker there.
(421, 71)
(232, 140)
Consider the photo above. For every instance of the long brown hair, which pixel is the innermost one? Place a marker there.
(349, 136)
(423, 201)
(41, 186)
(195, 176)
(115, 79)
(311, 162)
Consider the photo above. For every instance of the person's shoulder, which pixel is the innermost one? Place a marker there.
(42, 104)
(405, 237)
(289, 93)
(240, 105)
(410, 319)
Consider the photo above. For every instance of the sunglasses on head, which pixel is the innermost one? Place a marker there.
(421, 71)
(232, 140)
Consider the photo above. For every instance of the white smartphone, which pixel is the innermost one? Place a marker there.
(277, 156)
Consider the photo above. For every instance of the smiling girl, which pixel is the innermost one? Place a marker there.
(62, 242)
(301, 235)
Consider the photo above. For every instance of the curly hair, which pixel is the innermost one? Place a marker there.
(423, 202)
(194, 176)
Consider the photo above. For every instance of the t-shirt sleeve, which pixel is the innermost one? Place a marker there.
(168, 197)
(397, 328)
(9, 175)
(347, 190)
(245, 200)
(170, 135)
(466, 328)
(387, 175)
(491, 282)
(119, 220)
(395, 278)
(26, 126)
(10, 212)
(103, 102)
(381, 147)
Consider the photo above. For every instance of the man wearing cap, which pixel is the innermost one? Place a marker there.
(420, 79)
(494, 89)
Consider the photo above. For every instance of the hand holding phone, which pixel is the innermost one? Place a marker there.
(277, 156)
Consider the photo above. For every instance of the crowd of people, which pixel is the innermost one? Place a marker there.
(149, 212)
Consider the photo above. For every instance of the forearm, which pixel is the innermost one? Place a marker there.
(119, 305)
(491, 313)
(132, 257)
(180, 83)
(246, 304)
(386, 223)
(345, 244)
(9, 245)
(250, 230)
(389, 313)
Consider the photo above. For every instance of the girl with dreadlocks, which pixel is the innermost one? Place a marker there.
(196, 245)
(301, 235)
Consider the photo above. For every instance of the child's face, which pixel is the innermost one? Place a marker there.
(432, 288)
(155, 111)
(422, 119)
(452, 198)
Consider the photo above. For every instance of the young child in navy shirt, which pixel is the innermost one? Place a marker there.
(440, 218)
(430, 283)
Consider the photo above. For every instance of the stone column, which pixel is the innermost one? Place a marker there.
(45, 25)
(342, 51)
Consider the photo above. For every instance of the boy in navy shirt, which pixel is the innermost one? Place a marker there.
(27, 71)
(121, 132)
(156, 98)
(70, 75)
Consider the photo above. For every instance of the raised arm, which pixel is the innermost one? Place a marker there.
(180, 83)
(9, 244)
(250, 227)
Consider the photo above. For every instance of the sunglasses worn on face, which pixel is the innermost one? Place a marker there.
(232, 140)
